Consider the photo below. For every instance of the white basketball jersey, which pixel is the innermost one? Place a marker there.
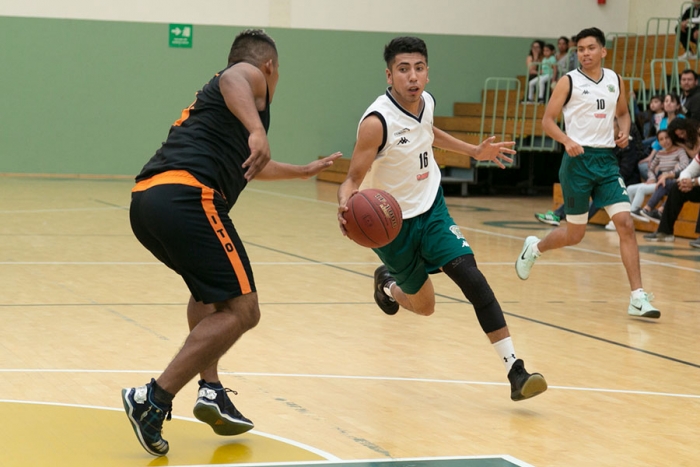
(405, 166)
(589, 112)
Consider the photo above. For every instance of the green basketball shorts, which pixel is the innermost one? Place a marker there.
(425, 244)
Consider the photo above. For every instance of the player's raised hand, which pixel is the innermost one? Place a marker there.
(495, 152)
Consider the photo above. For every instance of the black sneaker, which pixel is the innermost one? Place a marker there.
(654, 216)
(385, 302)
(146, 418)
(524, 385)
(214, 408)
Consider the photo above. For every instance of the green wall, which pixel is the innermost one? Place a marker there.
(98, 97)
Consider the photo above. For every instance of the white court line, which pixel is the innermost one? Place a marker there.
(391, 460)
(359, 378)
(312, 449)
(32, 211)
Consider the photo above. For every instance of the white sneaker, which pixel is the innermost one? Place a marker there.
(610, 226)
(527, 258)
(687, 56)
(642, 308)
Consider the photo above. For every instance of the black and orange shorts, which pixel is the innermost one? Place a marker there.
(186, 225)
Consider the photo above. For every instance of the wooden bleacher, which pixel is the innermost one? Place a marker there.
(684, 227)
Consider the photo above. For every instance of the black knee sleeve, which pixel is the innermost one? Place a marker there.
(464, 272)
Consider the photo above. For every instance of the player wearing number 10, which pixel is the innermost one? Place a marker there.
(591, 97)
(394, 153)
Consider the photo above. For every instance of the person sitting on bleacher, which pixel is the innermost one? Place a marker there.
(687, 189)
(690, 94)
(534, 58)
(689, 30)
(648, 121)
(672, 110)
(665, 166)
(547, 74)
(562, 56)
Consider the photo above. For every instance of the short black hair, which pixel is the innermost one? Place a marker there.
(550, 47)
(596, 33)
(563, 38)
(404, 45)
(252, 46)
(687, 71)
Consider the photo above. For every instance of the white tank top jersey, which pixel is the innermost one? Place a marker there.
(405, 166)
(589, 111)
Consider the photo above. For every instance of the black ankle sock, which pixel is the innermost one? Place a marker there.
(160, 396)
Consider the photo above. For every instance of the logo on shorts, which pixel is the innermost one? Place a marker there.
(456, 232)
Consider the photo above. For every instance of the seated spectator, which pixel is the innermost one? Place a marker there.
(664, 168)
(648, 120)
(562, 56)
(672, 109)
(690, 94)
(534, 58)
(687, 189)
(573, 54)
(689, 30)
(548, 73)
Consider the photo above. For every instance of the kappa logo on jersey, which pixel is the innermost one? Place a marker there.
(402, 131)
(585, 91)
(611, 88)
(403, 140)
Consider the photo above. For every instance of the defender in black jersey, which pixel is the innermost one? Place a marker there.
(179, 212)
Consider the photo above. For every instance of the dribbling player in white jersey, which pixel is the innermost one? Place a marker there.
(591, 97)
(394, 152)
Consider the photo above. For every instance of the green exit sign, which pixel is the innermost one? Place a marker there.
(180, 35)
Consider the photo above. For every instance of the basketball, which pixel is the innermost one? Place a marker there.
(373, 218)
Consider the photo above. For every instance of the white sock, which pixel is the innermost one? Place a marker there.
(536, 250)
(387, 290)
(504, 348)
(637, 293)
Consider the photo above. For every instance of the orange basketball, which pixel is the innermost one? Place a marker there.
(373, 218)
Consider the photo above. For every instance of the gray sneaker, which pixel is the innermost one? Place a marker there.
(642, 308)
(637, 214)
(695, 243)
(659, 237)
(527, 258)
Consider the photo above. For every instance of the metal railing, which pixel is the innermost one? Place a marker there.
(668, 81)
(499, 110)
(624, 68)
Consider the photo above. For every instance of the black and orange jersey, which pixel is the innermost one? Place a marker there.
(209, 142)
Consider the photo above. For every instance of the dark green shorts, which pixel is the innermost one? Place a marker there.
(596, 174)
(425, 244)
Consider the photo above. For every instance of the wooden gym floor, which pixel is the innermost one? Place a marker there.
(85, 311)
